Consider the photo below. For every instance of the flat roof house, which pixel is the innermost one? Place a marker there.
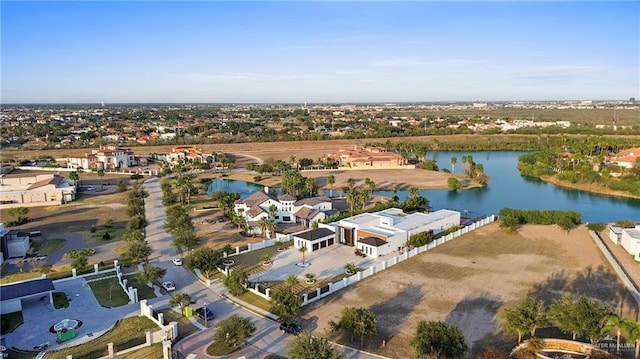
(380, 233)
(629, 239)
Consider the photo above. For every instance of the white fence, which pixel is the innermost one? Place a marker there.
(333, 287)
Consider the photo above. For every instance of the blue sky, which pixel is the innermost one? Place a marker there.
(359, 51)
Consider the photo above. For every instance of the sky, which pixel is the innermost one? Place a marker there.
(297, 51)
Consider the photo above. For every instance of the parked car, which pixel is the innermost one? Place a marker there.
(168, 286)
(291, 328)
(200, 313)
(177, 261)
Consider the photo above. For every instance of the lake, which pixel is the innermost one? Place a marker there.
(507, 188)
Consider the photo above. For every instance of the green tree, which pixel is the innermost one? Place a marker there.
(526, 317)
(137, 251)
(615, 324)
(453, 184)
(79, 262)
(285, 303)
(19, 214)
(150, 274)
(439, 340)
(100, 174)
(358, 322)
(633, 335)
(305, 346)
(74, 176)
(331, 181)
(234, 330)
(563, 312)
(181, 300)
(236, 282)
(303, 250)
(454, 160)
(566, 223)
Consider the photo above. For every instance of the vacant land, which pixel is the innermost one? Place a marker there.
(468, 282)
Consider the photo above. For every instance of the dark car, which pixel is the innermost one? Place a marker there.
(200, 313)
(291, 328)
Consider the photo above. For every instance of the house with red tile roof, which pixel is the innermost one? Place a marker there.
(369, 157)
(626, 158)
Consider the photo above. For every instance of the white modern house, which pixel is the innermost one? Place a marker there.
(13, 243)
(380, 233)
(105, 157)
(314, 239)
(628, 238)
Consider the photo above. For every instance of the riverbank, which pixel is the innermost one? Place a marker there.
(588, 187)
(387, 180)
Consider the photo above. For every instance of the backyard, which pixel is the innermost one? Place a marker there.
(468, 282)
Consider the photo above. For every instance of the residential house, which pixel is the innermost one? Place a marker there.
(380, 233)
(628, 238)
(14, 244)
(39, 189)
(626, 158)
(370, 157)
(314, 239)
(189, 153)
(105, 157)
(289, 209)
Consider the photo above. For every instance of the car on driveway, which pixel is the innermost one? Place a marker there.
(204, 313)
(168, 286)
(291, 328)
(177, 261)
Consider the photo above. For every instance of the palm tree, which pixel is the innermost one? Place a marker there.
(266, 259)
(352, 198)
(291, 282)
(271, 227)
(74, 176)
(100, 174)
(633, 330)
(351, 183)
(302, 250)
(273, 211)
(350, 268)
(614, 322)
(454, 160)
(263, 223)
(311, 278)
(331, 180)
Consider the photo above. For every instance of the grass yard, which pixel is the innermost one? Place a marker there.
(48, 246)
(185, 328)
(256, 300)
(144, 291)
(109, 293)
(60, 300)
(153, 351)
(10, 321)
(127, 333)
(220, 349)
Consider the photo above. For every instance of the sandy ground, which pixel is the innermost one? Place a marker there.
(469, 281)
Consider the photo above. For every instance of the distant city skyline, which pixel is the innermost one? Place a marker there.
(318, 52)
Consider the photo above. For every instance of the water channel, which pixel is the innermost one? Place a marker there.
(507, 188)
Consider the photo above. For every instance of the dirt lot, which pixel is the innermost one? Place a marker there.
(467, 282)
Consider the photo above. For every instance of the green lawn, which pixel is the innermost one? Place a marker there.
(185, 327)
(144, 291)
(109, 293)
(220, 349)
(256, 300)
(250, 262)
(60, 300)
(48, 246)
(127, 333)
(10, 321)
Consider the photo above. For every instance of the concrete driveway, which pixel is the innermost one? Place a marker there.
(39, 316)
(325, 262)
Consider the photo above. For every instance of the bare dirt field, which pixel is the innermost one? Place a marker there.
(468, 282)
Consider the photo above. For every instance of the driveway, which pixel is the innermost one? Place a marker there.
(39, 316)
(325, 263)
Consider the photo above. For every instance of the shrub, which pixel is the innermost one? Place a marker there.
(81, 252)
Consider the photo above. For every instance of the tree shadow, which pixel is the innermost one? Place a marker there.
(599, 283)
(476, 316)
(392, 314)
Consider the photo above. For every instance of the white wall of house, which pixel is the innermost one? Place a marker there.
(10, 306)
(630, 241)
(615, 233)
(17, 247)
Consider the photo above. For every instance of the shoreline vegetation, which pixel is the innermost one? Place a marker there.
(588, 187)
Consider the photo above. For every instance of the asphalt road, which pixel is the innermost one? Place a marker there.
(268, 339)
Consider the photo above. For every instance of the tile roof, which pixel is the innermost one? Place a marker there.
(306, 213)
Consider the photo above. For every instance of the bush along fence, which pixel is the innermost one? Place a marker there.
(328, 289)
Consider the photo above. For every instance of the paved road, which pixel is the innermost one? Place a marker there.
(267, 339)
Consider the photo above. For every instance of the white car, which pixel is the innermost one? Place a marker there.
(168, 286)
(177, 261)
